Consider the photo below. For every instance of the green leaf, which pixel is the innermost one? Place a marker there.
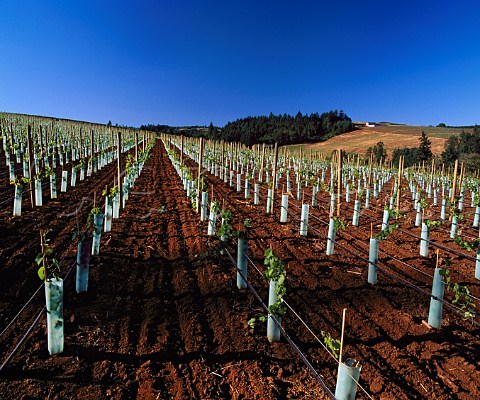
(41, 273)
(39, 258)
(280, 280)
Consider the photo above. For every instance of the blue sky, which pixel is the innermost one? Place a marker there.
(195, 62)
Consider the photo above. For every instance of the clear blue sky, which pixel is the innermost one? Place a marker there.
(195, 62)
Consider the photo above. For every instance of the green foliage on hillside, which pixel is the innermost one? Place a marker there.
(414, 155)
(378, 151)
(465, 148)
(284, 129)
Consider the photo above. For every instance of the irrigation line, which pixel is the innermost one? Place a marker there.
(305, 324)
(459, 253)
(22, 340)
(21, 310)
(402, 280)
(31, 299)
(325, 347)
(35, 322)
(391, 257)
(291, 343)
(391, 275)
(448, 249)
(285, 335)
(380, 251)
(34, 294)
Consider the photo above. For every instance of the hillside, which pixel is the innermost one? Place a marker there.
(393, 136)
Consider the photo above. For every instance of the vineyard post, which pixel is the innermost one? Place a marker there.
(214, 152)
(331, 236)
(304, 219)
(30, 162)
(262, 162)
(436, 306)
(242, 262)
(136, 145)
(92, 148)
(460, 179)
(119, 168)
(200, 162)
(477, 260)
(11, 137)
(274, 177)
(111, 137)
(42, 161)
(342, 336)
(339, 181)
(373, 260)
(348, 372)
(81, 144)
(454, 187)
(432, 172)
(424, 239)
(181, 149)
(370, 166)
(222, 160)
(399, 182)
(461, 193)
(369, 181)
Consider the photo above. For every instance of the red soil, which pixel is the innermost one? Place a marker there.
(163, 318)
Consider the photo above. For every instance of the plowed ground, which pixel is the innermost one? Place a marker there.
(163, 318)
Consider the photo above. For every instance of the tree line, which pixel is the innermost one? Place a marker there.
(286, 129)
(464, 147)
(412, 156)
(283, 128)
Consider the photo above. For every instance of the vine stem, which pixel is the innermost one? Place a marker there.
(44, 264)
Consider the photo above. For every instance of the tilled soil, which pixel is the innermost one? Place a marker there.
(163, 317)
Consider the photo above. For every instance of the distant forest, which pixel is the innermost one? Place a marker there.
(284, 129)
(465, 148)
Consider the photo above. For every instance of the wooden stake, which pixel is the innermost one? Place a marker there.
(274, 177)
(339, 181)
(30, 162)
(262, 161)
(92, 149)
(399, 188)
(81, 144)
(454, 188)
(136, 146)
(342, 336)
(181, 150)
(200, 163)
(119, 167)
